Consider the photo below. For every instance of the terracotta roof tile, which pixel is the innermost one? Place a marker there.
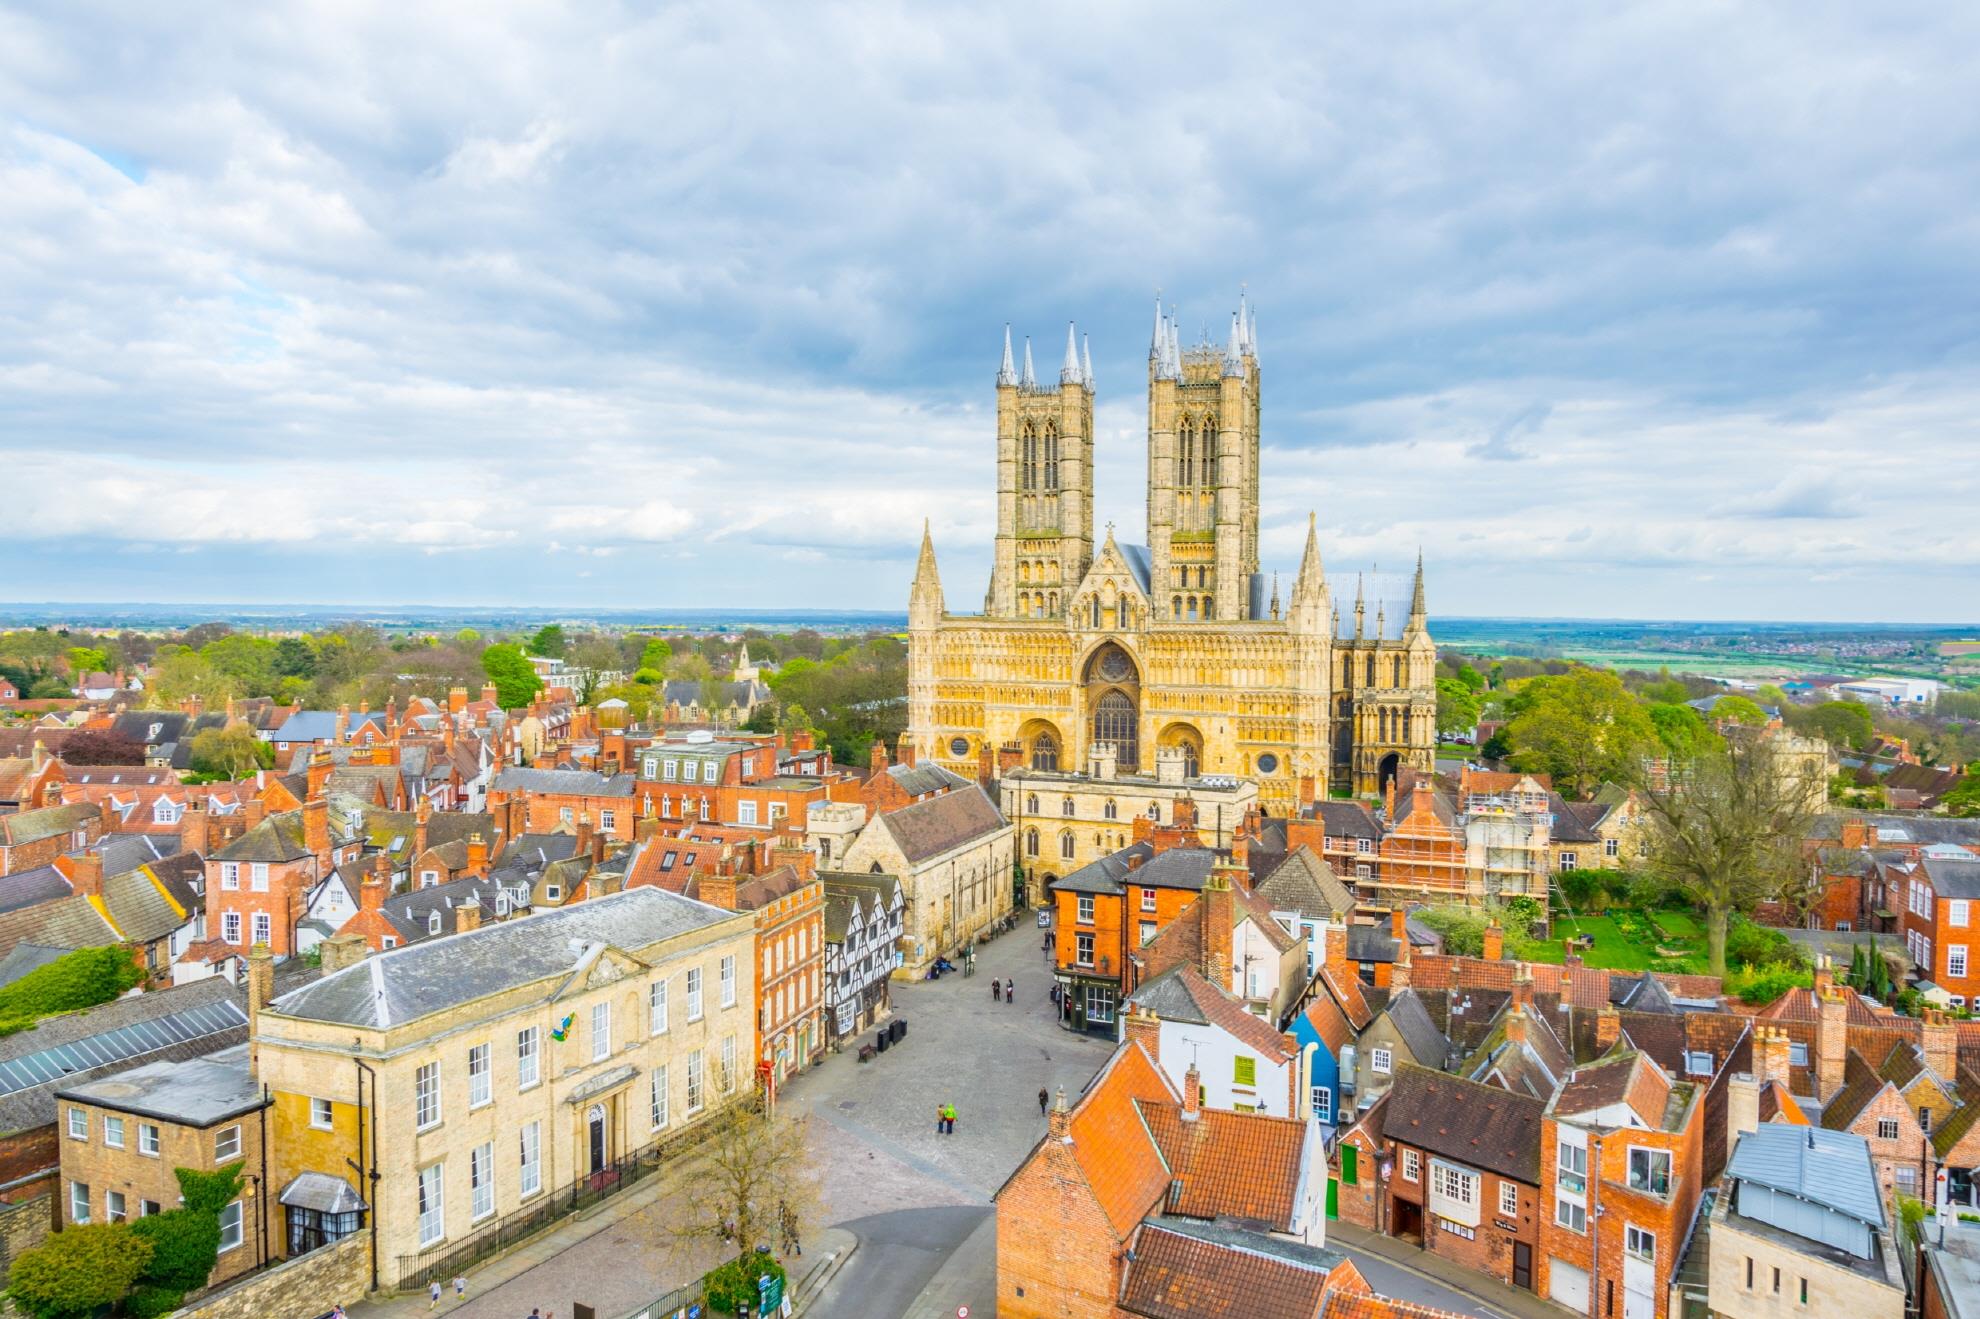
(1183, 1270)
(1222, 1164)
(1110, 1142)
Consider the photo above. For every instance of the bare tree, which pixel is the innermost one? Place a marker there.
(750, 1181)
(1728, 824)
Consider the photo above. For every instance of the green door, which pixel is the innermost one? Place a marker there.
(1348, 1153)
(1333, 1198)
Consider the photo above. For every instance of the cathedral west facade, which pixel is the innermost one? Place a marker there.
(1177, 656)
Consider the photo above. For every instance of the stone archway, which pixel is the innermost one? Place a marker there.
(1044, 745)
(1186, 738)
(1113, 703)
(1385, 773)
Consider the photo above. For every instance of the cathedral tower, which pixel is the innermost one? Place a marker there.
(1203, 471)
(1044, 485)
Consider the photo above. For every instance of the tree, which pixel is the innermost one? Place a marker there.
(548, 641)
(180, 674)
(689, 666)
(1738, 710)
(101, 746)
(87, 659)
(249, 661)
(1471, 677)
(295, 658)
(513, 675)
(466, 637)
(751, 1173)
(1964, 798)
(1726, 825)
(1665, 691)
(1839, 723)
(232, 753)
(1680, 728)
(78, 1271)
(1581, 727)
(1457, 707)
(596, 653)
(655, 655)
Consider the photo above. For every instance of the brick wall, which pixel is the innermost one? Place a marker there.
(23, 1226)
(303, 1287)
(24, 1154)
(1057, 1251)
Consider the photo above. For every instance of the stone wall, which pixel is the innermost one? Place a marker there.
(301, 1288)
(23, 1226)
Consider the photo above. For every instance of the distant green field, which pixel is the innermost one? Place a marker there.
(1681, 662)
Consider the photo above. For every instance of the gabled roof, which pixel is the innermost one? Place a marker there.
(1861, 1084)
(1115, 1152)
(927, 829)
(1306, 884)
(1183, 995)
(1225, 1164)
(565, 782)
(1623, 1077)
(1346, 819)
(1827, 1168)
(1178, 867)
(1800, 1004)
(925, 777)
(1411, 1019)
(1644, 993)
(33, 826)
(1324, 1015)
(1480, 1126)
(1183, 1268)
(276, 839)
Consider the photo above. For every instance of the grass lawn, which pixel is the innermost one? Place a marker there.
(1680, 925)
(1616, 951)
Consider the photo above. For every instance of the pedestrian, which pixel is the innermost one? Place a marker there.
(1010, 991)
(460, 1286)
(996, 988)
(951, 1114)
(1043, 1099)
(941, 1119)
(337, 1312)
(433, 1295)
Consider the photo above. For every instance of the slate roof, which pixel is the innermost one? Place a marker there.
(1644, 993)
(1182, 994)
(195, 1092)
(1827, 1168)
(403, 984)
(412, 911)
(532, 853)
(28, 957)
(1412, 1022)
(1569, 826)
(33, 826)
(929, 828)
(152, 901)
(1347, 819)
(874, 894)
(1182, 1268)
(1480, 1126)
(1179, 867)
(1952, 878)
(276, 839)
(1370, 943)
(565, 782)
(1861, 1084)
(1306, 884)
(30, 888)
(33, 1105)
(917, 779)
(67, 923)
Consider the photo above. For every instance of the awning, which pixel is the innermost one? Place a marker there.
(323, 1193)
(601, 1083)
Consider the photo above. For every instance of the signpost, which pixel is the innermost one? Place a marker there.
(769, 1293)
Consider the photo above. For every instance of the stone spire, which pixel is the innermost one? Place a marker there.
(1234, 350)
(1244, 322)
(1275, 595)
(1312, 577)
(1416, 609)
(1251, 335)
(925, 599)
(1028, 379)
(1158, 346)
(1007, 373)
(1086, 360)
(1175, 348)
(1360, 606)
(1069, 370)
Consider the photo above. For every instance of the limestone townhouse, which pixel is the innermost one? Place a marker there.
(473, 1074)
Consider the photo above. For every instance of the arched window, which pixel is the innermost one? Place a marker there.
(1066, 845)
(1188, 455)
(1066, 808)
(1045, 752)
(1055, 602)
(1110, 810)
(1371, 671)
(1031, 842)
(1209, 456)
(1051, 458)
(1175, 606)
(1191, 764)
(1096, 610)
(1114, 721)
(1206, 607)
(1192, 609)
(1399, 671)
(1031, 804)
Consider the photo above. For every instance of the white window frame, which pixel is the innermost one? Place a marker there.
(481, 1181)
(694, 994)
(481, 1076)
(657, 1097)
(1956, 912)
(1640, 1242)
(1412, 1165)
(227, 1143)
(1085, 916)
(233, 1227)
(728, 979)
(1381, 1060)
(148, 1139)
(656, 1008)
(113, 1131)
(529, 1179)
(697, 1092)
(1572, 1215)
(1797, 1054)
(1956, 961)
(230, 876)
(427, 1112)
(529, 1057)
(322, 1114)
(1887, 1128)
(263, 926)
(258, 876)
(114, 1207)
(728, 1076)
(1322, 1101)
(745, 812)
(601, 1031)
(432, 1204)
(78, 1124)
(1649, 1156)
(1508, 1199)
(79, 1202)
(230, 928)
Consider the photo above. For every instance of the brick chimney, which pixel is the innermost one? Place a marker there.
(253, 811)
(1184, 814)
(1308, 791)
(477, 855)
(1060, 1118)
(1333, 944)
(793, 853)
(1192, 1089)
(584, 834)
(1214, 931)
(342, 950)
(1010, 756)
(1825, 976)
(1241, 846)
(1939, 1043)
(489, 694)
(343, 726)
(1742, 1106)
(457, 700)
(1608, 1027)
(904, 748)
(647, 829)
(260, 985)
(318, 773)
(375, 887)
(192, 827)
(518, 816)
(801, 740)
(1145, 1027)
(316, 829)
(467, 916)
(719, 889)
(422, 816)
(1495, 941)
(86, 874)
(876, 759)
(1770, 1055)
(986, 765)
(1831, 1045)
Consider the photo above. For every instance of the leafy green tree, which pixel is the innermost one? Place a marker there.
(689, 666)
(294, 658)
(232, 753)
(1738, 710)
(1680, 728)
(1964, 799)
(596, 653)
(87, 659)
(548, 641)
(1581, 727)
(1839, 723)
(1457, 707)
(77, 980)
(78, 1272)
(466, 638)
(649, 677)
(179, 673)
(655, 655)
(1471, 677)
(513, 675)
(185, 1243)
(1665, 691)
(1726, 825)
(249, 661)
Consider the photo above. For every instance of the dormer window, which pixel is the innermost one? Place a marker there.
(433, 922)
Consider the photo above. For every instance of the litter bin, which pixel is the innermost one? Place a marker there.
(898, 1030)
(881, 1043)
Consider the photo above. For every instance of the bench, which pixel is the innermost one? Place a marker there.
(866, 1052)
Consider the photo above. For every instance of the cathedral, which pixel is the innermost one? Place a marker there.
(1176, 658)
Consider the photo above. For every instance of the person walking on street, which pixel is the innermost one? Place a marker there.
(941, 1119)
(1010, 991)
(460, 1287)
(433, 1295)
(996, 988)
(1044, 1099)
(950, 1113)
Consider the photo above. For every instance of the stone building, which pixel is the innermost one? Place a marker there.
(490, 1070)
(953, 854)
(1182, 644)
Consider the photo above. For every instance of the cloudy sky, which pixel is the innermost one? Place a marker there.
(1670, 313)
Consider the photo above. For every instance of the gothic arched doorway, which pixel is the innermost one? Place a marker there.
(1185, 738)
(1113, 696)
(1385, 773)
